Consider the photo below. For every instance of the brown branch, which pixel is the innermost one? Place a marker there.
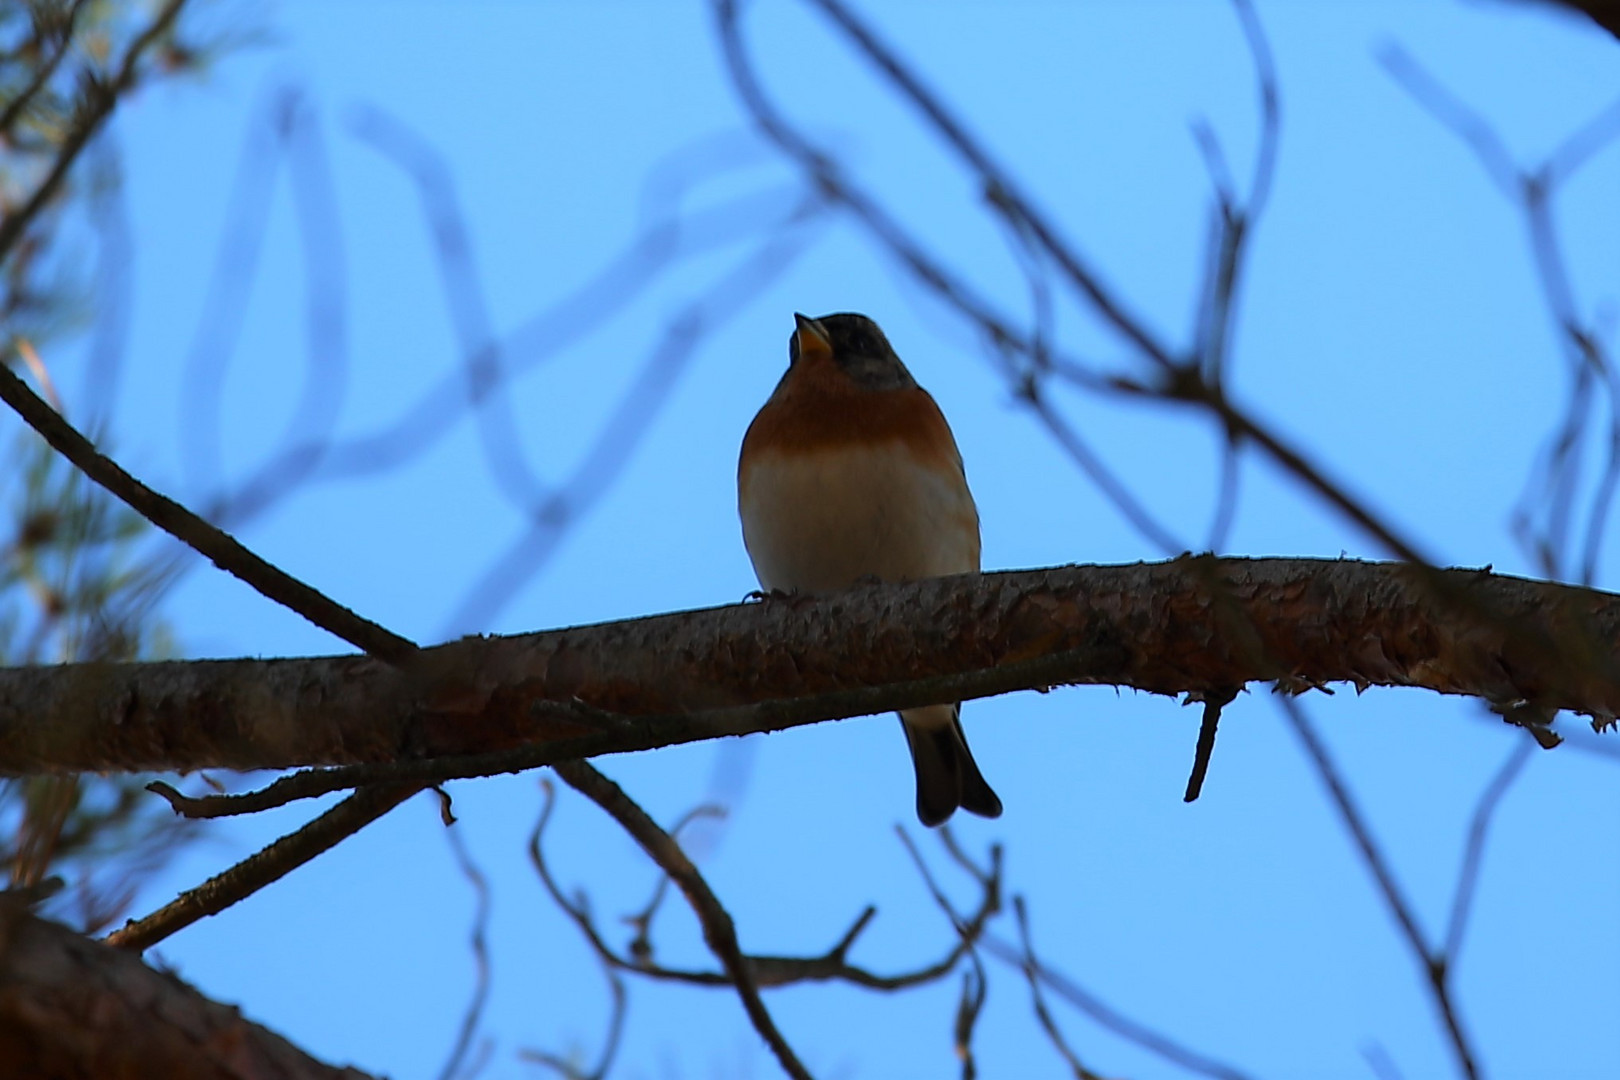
(73, 1008)
(719, 932)
(183, 525)
(262, 868)
(511, 703)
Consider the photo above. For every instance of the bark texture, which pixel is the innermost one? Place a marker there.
(72, 1008)
(1191, 624)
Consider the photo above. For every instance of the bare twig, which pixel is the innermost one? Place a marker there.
(1114, 489)
(287, 132)
(480, 949)
(1000, 185)
(1111, 1019)
(264, 867)
(483, 361)
(610, 1044)
(1474, 850)
(775, 971)
(641, 945)
(1214, 702)
(220, 547)
(1433, 963)
(718, 930)
(1043, 1014)
(969, 1007)
(1552, 491)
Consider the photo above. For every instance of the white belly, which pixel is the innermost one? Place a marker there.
(824, 524)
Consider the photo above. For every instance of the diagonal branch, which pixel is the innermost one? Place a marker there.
(1400, 906)
(216, 544)
(262, 868)
(71, 1007)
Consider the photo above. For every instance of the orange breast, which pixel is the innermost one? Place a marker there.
(817, 407)
(836, 486)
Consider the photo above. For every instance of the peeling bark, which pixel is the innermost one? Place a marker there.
(71, 1007)
(1191, 624)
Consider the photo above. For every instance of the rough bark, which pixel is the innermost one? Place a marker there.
(1191, 624)
(71, 1007)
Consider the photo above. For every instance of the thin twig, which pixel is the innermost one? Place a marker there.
(480, 950)
(1552, 490)
(1214, 702)
(177, 521)
(1000, 185)
(1111, 1019)
(610, 1044)
(718, 930)
(1434, 965)
(771, 971)
(482, 357)
(100, 98)
(969, 1007)
(1037, 997)
(1474, 850)
(262, 868)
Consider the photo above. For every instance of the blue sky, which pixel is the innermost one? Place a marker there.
(1392, 324)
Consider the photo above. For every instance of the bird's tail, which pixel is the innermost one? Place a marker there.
(947, 776)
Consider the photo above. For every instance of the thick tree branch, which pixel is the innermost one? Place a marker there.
(70, 1007)
(1188, 625)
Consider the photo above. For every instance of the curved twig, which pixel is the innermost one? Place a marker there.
(718, 930)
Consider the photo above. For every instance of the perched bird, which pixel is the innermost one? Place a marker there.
(850, 472)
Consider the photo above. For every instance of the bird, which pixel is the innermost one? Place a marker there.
(850, 473)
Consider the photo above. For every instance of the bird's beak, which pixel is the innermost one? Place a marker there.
(813, 343)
